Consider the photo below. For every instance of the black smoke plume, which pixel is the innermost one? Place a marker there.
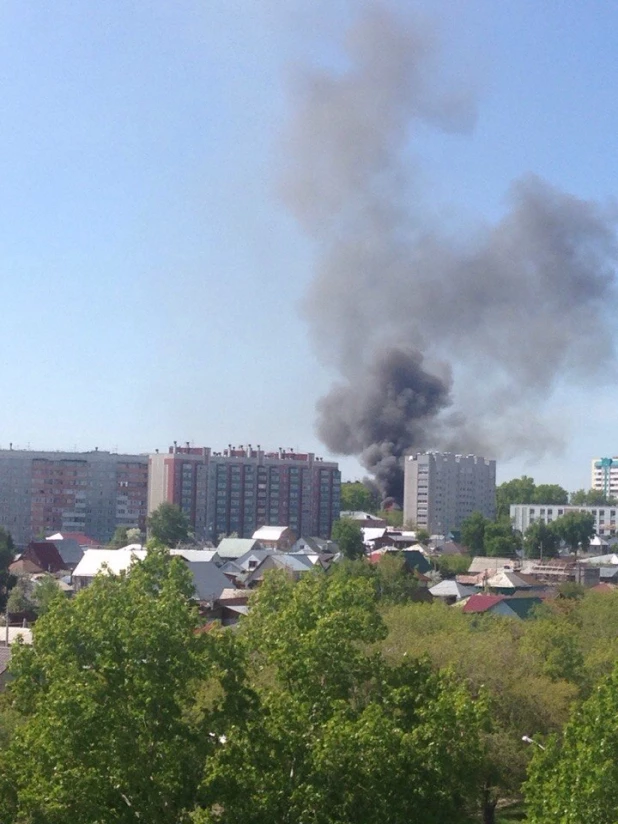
(442, 341)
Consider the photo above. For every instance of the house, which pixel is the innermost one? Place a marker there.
(451, 591)
(230, 549)
(375, 537)
(45, 555)
(505, 582)
(293, 565)
(318, 546)
(22, 566)
(481, 563)
(364, 518)
(489, 605)
(208, 580)
(281, 538)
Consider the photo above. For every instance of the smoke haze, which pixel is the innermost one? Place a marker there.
(441, 341)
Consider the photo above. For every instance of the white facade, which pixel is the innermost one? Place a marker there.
(604, 476)
(522, 515)
(441, 489)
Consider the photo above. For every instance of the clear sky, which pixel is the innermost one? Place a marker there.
(150, 274)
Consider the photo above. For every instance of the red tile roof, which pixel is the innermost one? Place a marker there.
(481, 602)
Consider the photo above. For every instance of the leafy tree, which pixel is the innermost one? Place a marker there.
(393, 516)
(591, 497)
(358, 497)
(575, 777)
(348, 536)
(517, 491)
(541, 540)
(550, 494)
(20, 598)
(500, 539)
(423, 537)
(473, 533)
(343, 737)
(7, 555)
(45, 593)
(104, 692)
(575, 529)
(451, 565)
(395, 583)
(168, 525)
(524, 491)
(119, 538)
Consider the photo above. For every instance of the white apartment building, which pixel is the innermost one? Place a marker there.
(522, 515)
(604, 476)
(441, 489)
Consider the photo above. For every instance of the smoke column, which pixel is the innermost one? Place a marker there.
(440, 341)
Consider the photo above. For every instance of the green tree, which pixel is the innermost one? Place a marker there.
(423, 537)
(550, 494)
(343, 737)
(541, 541)
(119, 538)
(517, 491)
(168, 525)
(45, 593)
(500, 539)
(591, 497)
(473, 533)
(575, 777)
(395, 583)
(20, 597)
(7, 556)
(575, 529)
(104, 693)
(348, 536)
(451, 565)
(358, 497)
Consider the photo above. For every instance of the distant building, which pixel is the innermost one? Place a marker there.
(441, 489)
(86, 492)
(604, 476)
(242, 489)
(522, 515)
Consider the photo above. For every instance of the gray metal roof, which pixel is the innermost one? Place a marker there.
(231, 548)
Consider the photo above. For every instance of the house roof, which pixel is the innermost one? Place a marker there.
(24, 566)
(481, 602)
(522, 606)
(46, 555)
(450, 589)
(269, 533)
(208, 579)
(507, 580)
(199, 556)
(357, 515)
(25, 633)
(373, 533)
(231, 548)
(450, 548)
(603, 587)
(480, 563)
(79, 537)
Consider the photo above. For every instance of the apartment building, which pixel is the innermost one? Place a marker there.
(604, 476)
(441, 489)
(605, 517)
(241, 488)
(89, 492)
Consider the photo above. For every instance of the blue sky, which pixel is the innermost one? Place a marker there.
(150, 275)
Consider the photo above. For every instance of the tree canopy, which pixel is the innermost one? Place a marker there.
(541, 540)
(358, 497)
(575, 528)
(103, 693)
(348, 536)
(524, 491)
(591, 497)
(168, 525)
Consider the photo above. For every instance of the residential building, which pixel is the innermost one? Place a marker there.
(241, 489)
(86, 492)
(441, 489)
(604, 476)
(522, 515)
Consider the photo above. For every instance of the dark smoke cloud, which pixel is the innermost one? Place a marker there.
(514, 309)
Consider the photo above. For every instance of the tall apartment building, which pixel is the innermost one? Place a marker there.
(604, 476)
(605, 517)
(89, 492)
(240, 489)
(441, 489)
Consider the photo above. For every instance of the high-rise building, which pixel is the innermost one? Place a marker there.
(241, 488)
(88, 492)
(441, 489)
(604, 476)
